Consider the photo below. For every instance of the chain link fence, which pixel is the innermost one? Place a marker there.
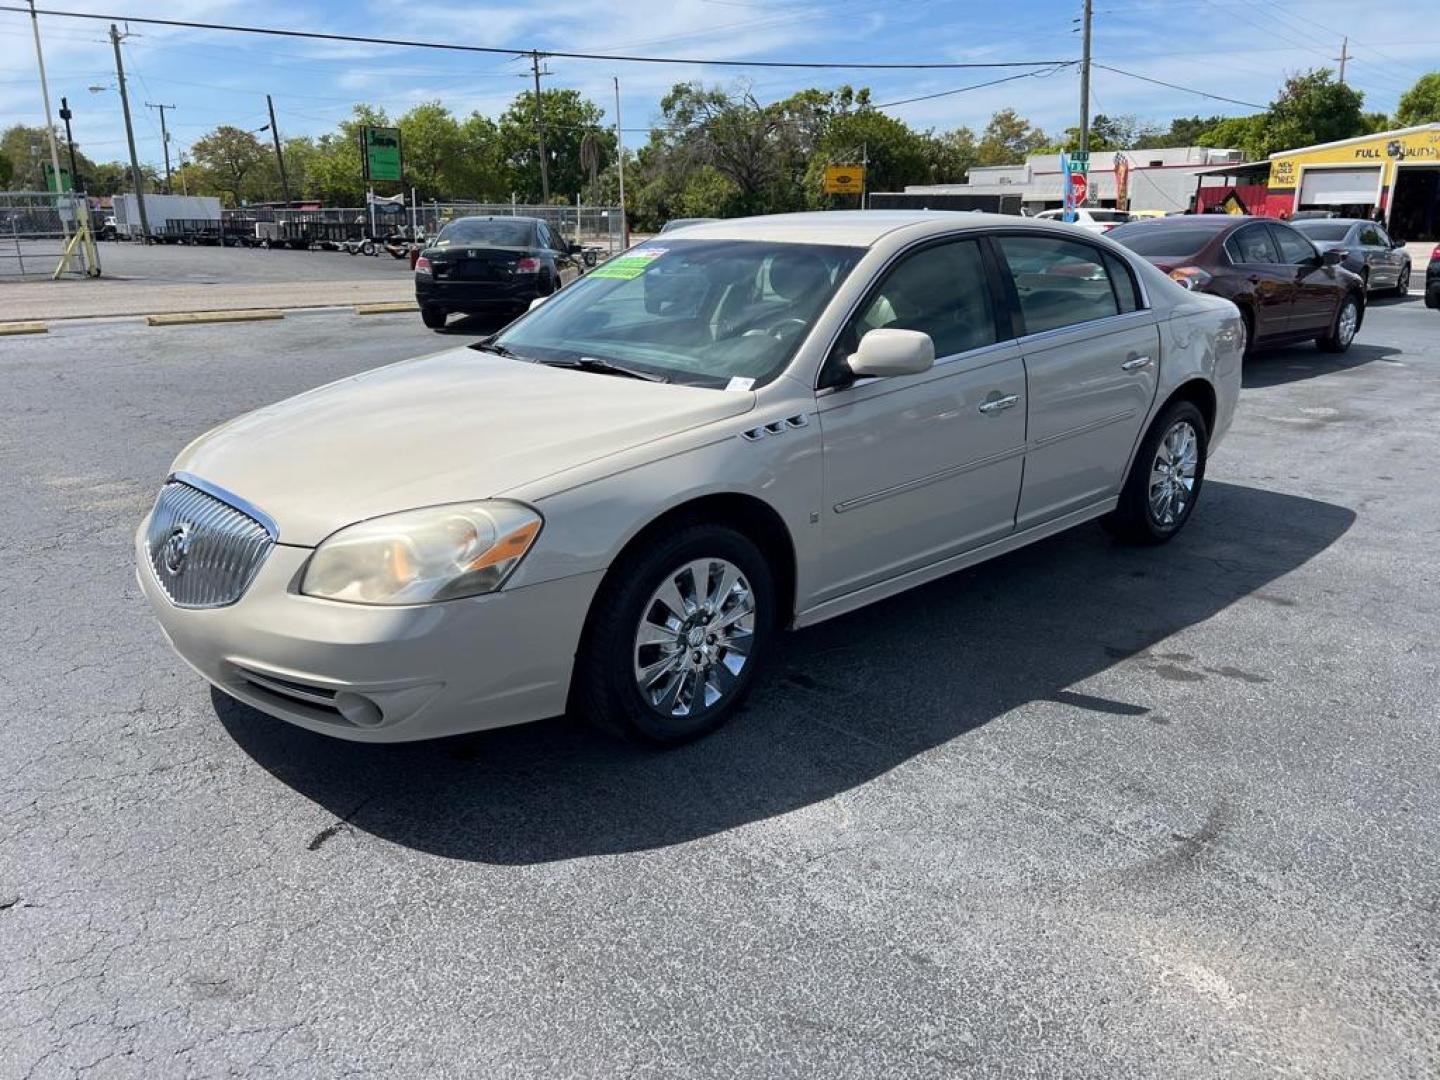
(35, 228)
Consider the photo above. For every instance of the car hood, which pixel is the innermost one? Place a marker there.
(444, 428)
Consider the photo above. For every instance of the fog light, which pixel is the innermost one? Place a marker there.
(359, 710)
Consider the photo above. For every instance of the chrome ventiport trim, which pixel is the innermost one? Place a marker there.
(246, 507)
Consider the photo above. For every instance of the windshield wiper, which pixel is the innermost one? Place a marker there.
(487, 345)
(606, 367)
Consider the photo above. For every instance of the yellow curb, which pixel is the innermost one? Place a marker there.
(23, 328)
(184, 318)
(386, 308)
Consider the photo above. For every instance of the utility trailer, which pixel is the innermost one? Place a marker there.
(165, 214)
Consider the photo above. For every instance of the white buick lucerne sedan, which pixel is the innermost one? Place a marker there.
(614, 504)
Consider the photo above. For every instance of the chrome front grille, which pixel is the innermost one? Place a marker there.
(204, 551)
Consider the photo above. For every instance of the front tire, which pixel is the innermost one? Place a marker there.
(1342, 331)
(676, 636)
(433, 317)
(1402, 283)
(1165, 478)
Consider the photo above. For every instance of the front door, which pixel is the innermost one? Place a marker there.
(921, 467)
(1092, 355)
(1315, 292)
(1271, 280)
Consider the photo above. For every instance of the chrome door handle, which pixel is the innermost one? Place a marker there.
(999, 404)
(1135, 363)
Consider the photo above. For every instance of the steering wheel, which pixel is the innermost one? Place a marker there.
(787, 328)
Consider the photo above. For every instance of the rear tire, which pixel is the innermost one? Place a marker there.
(1165, 478)
(1343, 330)
(669, 671)
(433, 317)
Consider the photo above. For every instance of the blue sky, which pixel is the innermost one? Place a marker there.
(1238, 48)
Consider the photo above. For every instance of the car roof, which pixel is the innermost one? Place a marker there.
(495, 217)
(850, 228)
(1349, 221)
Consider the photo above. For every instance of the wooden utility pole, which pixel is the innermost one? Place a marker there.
(1343, 57)
(165, 141)
(130, 136)
(540, 131)
(279, 154)
(1085, 78)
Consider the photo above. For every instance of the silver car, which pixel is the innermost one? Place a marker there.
(1382, 263)
(614, 504)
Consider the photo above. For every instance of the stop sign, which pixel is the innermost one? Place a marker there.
(1079, 188)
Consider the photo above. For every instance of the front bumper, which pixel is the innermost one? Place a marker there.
(378, 674)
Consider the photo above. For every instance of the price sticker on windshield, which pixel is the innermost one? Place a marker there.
(628, 266)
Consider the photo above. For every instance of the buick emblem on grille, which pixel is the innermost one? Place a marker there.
(177, 549)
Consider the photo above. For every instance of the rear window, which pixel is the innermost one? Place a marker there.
(1119, 217)
(1153, 238)
(1322, 230)
(499, 233)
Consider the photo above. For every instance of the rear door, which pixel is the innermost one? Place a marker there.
(1256, 258)
(1092, 355)
(1316, 285)
(1385, 261)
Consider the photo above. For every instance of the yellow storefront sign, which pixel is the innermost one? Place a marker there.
(844, 179)
(1387, 149)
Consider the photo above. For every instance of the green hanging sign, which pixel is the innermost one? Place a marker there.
(380, 153)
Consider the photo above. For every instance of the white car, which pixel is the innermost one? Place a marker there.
(612, 505)
(1096, 220)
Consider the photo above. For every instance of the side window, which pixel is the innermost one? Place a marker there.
(1383, 237)
(1370, 236)
(543, 231)
(1125, 289)
(1059, 282)
(941, 291)
(1294, 248)
(1252, 244)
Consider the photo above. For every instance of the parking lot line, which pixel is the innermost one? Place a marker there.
(11, 328)
(185, 318)
(386, 308)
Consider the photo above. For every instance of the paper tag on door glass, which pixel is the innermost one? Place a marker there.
(738, 383)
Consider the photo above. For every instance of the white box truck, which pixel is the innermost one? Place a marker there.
(172, 218)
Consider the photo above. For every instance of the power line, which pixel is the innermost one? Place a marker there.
(975, 86)
(1182, 89)
(494, 50)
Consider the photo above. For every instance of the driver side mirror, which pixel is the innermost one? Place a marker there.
(884, 353)
(1333, 257)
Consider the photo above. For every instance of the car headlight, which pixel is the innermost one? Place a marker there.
(439, 553)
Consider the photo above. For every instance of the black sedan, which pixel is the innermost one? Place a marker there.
(1432, 280)
(1368, 251)
(493, 266)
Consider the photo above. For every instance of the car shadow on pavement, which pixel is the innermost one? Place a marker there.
(1276, 367)
(843, 703)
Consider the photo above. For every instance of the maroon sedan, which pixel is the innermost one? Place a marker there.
(1286, 289)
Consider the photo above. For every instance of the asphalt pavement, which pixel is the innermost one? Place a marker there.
(1085, 811)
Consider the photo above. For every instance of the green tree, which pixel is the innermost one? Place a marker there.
(1248, 134)
(113, 178)
(334, 176)
(568, 117)
(952, 155)
(1008, 138)
(1111, 133)
(6, 171)
(1183, 131)
(897, 155)
(28, 151)
(430, 141)
(477, 170)
(233, 160)
(1421, 103)
(1313, 108)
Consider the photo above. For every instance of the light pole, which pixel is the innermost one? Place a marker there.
(49, 116)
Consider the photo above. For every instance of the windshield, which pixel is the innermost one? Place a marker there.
(490, 231)
(723, 313)
(1109, 215)
(1322, 230)
(1150, 238)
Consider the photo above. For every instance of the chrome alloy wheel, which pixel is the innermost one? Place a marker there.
(694, 638)
(1349, 322)
(1172, 476)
